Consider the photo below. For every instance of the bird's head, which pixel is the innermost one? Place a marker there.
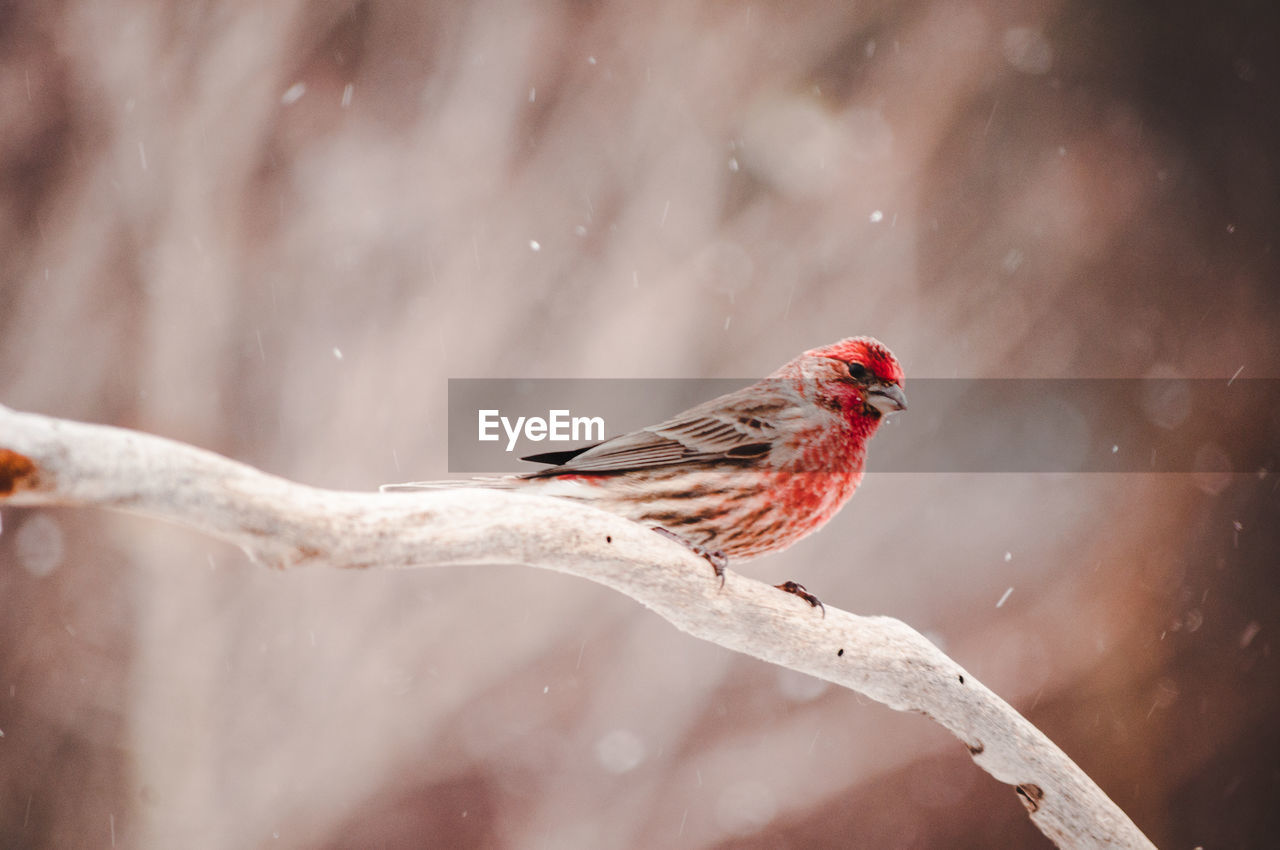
(858, 375)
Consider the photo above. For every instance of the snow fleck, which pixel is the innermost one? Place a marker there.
(1115, 449)
(1236, 375)
(1004, 598)
(1027, 50)
(580, 230)
(533, 95)
(877, 216)
(937, 639)
(1194, 620)
(535, 245)
(142, 154)
(665, 209)
(1165, 696)
(1231, 228)
(733, 163)
(337, 352)
(347, 91)
(800, 687)
(1211, 469)
(1166, 399)
(1008, 556)
(591, 60)
(293, 94)
(727, 320)
(870, 48)
(546, 689)
(745, 807)
(40, 545)
(619, 751)
(1250, 632)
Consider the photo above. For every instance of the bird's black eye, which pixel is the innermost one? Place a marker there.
(858, 371)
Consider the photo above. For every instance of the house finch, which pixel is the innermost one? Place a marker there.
(744, 474)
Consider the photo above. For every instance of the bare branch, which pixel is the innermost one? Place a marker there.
(46, 461)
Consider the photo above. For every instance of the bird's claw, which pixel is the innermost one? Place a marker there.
(717, 559)
(798, 589)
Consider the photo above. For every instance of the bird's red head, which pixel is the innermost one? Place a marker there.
(858, 375)
(867, 352)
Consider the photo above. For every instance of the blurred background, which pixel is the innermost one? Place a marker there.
(276, 230)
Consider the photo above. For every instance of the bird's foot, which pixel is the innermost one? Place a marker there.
(717, 559)
(798, 589)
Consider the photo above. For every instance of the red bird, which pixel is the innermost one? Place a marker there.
(744, 474)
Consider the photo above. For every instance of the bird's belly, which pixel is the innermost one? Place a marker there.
(792, 507)
(740, 513)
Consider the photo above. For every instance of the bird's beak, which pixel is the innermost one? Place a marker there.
(888, 398)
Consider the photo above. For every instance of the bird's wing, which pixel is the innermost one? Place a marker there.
(738, 425)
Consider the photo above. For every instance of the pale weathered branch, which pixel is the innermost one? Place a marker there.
(46, 461)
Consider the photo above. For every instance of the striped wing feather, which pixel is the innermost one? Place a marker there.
(735, 426)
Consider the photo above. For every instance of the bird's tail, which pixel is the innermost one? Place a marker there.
(505, 482)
